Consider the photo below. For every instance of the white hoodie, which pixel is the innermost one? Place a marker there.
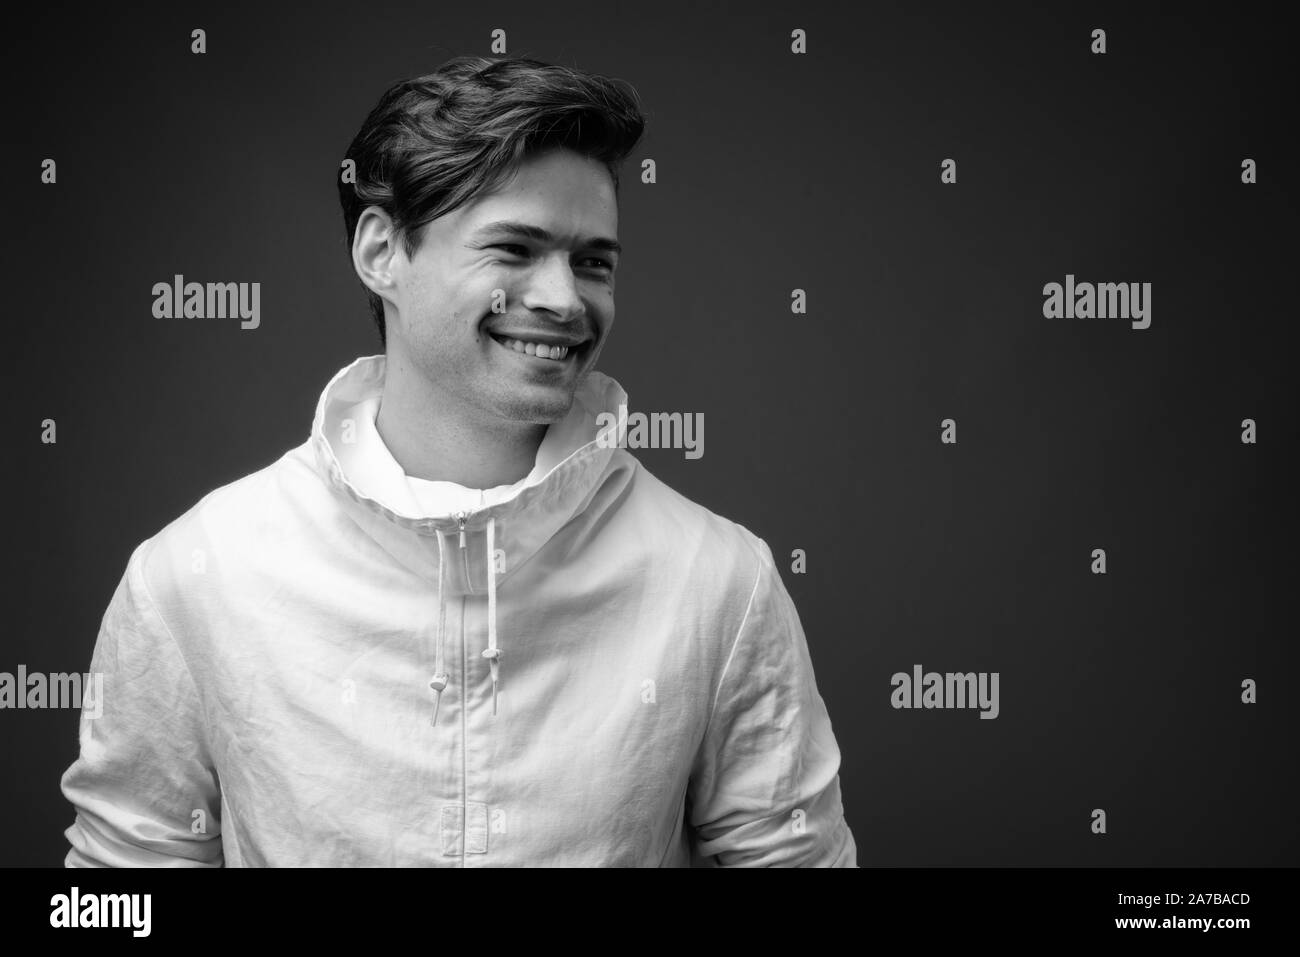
(318, 664)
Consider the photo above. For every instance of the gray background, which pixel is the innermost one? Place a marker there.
(775, 171)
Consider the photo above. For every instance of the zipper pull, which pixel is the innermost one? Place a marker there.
(460, 520)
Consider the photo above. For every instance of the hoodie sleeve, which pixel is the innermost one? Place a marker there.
(765, 789)
(144, 788)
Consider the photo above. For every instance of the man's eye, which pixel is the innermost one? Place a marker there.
(514, 249)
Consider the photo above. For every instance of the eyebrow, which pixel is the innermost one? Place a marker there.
(540, 235)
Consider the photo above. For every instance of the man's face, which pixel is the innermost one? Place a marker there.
(541, 240)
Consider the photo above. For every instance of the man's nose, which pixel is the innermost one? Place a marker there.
(553, 287)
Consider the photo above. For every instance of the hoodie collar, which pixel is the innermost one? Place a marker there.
(469, 550)
(369, 466)
(353, 459)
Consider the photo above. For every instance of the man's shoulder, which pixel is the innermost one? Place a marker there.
(683, 530)
(237, 519)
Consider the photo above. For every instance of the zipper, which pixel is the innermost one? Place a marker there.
(462, 517)
(440, 678)
(464, 736)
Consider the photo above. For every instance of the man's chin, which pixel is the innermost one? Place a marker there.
(537, 409)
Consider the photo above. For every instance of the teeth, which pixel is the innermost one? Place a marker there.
(539, 349)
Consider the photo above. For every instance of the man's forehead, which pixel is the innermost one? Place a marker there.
(573, 235)
(571, 219)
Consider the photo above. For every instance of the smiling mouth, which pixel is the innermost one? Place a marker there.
(541, 350)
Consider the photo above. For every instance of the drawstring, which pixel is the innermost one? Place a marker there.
(492, 652)
(440, 677)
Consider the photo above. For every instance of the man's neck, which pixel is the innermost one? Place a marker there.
(431, 439)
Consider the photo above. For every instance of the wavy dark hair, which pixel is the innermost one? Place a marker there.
(435, 142)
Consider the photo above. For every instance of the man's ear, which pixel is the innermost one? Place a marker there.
(375, 251)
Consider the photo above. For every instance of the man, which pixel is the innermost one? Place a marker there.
(460, 626)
